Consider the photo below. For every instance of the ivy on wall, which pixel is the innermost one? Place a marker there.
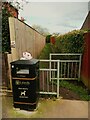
(5, 30)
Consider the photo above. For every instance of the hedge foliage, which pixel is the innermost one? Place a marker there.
(72, 42)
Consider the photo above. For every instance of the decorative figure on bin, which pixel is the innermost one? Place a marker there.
(26, 56)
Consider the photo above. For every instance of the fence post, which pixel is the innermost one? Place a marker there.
(50, 67)
(58, 66)
(80, 65)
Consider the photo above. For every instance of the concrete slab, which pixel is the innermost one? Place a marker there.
(47, 108)
(68, 109)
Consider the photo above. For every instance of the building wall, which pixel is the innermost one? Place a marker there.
(85, 71)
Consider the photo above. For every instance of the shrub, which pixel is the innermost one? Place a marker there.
(72, 42)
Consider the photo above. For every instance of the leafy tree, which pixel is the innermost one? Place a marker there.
(17, 4)
(40, 29)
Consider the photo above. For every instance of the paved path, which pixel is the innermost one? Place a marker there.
(47, 108)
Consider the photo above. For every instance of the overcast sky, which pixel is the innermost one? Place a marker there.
(60, 17)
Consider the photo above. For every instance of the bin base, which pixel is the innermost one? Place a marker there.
(25, 107)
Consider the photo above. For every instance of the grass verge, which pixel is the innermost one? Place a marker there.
(78, 89)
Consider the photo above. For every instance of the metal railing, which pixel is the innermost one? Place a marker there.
(47, 86)
(64, 67)
(70, 65)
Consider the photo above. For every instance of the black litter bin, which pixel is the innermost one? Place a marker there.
(25, 83)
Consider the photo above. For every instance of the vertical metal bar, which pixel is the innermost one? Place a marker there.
(52, 83)
(50, 66)
(79, 65)
(53, 77)
(58, 65)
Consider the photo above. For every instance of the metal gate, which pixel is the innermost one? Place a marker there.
(49, 77)
(58, 67)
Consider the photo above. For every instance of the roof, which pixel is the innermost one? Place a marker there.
(86, 24)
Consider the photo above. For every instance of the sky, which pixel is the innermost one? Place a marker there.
(57, 17)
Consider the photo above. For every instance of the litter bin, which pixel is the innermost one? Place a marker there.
(25, 83)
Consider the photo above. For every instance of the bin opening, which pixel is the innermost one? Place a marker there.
(23, 71)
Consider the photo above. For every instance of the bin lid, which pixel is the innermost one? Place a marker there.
(25, 62)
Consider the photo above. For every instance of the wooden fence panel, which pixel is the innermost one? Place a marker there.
(24, 38)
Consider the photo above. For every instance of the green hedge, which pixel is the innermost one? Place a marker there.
(71, 42)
